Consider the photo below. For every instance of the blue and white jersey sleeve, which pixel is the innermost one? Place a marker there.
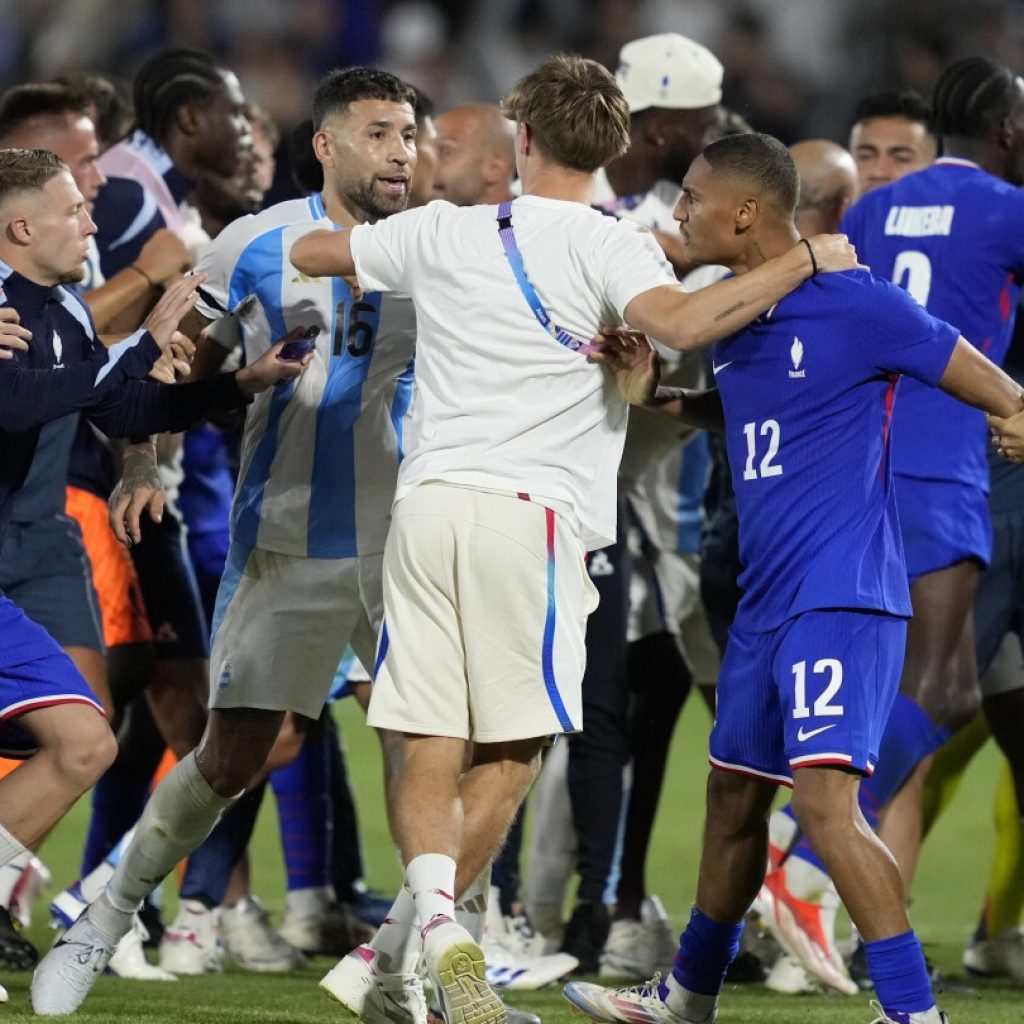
(900, 336)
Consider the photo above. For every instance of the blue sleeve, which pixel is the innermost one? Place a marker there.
(145, 407)
(29, 398)
(898, 335)
(126, 217)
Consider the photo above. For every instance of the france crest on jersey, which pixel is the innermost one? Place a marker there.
(807, 391)
(952, 235)
(319, 455)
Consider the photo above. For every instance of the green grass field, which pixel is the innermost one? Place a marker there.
(946, 903)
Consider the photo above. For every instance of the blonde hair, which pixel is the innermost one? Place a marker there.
(575, 110)
(27, 170)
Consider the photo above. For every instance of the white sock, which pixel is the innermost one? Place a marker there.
(308, 902)
(397, 940)
(9, 875)
(180, 814)
(471, 910)
(431, 880)
(96, 881)
(691, 1006)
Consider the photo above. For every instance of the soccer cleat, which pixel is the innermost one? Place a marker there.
(375, 997)
(192, 944)
(129, 959)
(637, 1004)
(514, 952)
(932, 1016)
(252, 941)
(35, 876)
(455, 967)
(67, 973)
(67, 907)
(335, 931)
(998, 957)
(804, 930)
(788, 976)
(16, 952)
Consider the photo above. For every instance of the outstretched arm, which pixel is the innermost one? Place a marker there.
(976, 380)
(324, 254)
(691, 320)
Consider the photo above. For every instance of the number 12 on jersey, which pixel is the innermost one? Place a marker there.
(771, 433)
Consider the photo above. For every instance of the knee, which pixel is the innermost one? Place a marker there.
(232, 753)
(736, 806)
(85, 750)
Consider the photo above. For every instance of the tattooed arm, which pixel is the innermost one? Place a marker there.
(139, 489)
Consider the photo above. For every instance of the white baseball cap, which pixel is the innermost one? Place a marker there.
(670, 71)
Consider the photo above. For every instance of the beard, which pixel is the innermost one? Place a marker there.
(373, 204)
(75, 276)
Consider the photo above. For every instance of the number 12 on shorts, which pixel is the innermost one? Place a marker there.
(823, 706)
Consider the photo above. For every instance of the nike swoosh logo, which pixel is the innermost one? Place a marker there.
(721, 366)
(801, 735)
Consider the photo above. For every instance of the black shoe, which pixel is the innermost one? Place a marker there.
(746, 969)
(149, 914)
(16, 953)
(858, 967)
(585, 935)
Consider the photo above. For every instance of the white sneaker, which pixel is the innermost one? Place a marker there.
(4, 997)
(932, 1016)
(636, 1004)
(35, 876)
(627, 952)
(335, 930)
(252, 941)
(788, 976)
(513, 952)
(998, 957)
(129, 959)
(66, 974)
(192, 944)
(372, 995)
(455, 966)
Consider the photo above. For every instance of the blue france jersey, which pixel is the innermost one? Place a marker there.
(320, 455)
(953, 236)
(808, 390)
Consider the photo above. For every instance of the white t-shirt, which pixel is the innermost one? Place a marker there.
(653, 209)
(500, 403)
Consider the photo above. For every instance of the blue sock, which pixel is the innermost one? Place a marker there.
(305, 812)
(908, 739)
(210, 865)
(900, 975)
(706, 949)
(117, 801)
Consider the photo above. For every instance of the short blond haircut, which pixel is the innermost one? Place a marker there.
(575, 110)
(27, 170)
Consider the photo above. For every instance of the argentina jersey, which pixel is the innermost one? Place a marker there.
(952, 235)
(808, 391)
(320, 455)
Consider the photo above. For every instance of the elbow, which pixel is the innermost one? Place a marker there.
(684, 338)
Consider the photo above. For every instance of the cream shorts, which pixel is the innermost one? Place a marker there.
(282, 623)
(486, 599)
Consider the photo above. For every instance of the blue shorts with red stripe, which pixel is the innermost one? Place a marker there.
(815, 691)
(34, 673)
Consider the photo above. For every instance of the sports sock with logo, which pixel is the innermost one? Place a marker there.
(397, 940)
(431, 880)
(471, 909)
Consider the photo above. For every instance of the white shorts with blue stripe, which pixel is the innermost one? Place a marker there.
(486, 601)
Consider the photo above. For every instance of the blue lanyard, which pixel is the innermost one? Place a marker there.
(515, 259)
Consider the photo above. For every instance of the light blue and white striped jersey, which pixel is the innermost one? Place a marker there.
(319, 455)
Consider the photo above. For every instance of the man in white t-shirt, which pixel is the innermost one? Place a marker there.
(510, 476)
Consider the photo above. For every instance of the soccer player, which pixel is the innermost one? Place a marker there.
(828, 185)
(509, 476)
(47, 705)
(476, 159)
(317, 477)
(814, 654)
(890, 137)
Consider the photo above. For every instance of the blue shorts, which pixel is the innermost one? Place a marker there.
(943, 522)
(34, 673)
(170, 590)
(815, 691)
(45, 571)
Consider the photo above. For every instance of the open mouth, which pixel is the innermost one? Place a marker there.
(393, 186)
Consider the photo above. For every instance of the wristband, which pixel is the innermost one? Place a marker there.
(814, 262)
(155, 286)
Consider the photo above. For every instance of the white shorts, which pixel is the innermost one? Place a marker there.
(664, 596)
(486, 599)
(282, 623)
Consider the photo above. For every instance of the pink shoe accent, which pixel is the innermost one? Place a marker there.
(365, 953)
(433, 923)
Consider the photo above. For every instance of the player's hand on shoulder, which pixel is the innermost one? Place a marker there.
(832, 252)
(139, 488)
(163, 257)
(13, 337)
(270, 369)
(632, 361)
(178, 300)
(1008, 435)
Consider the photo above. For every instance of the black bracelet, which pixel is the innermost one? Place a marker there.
(814, 262)
(153, 284)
